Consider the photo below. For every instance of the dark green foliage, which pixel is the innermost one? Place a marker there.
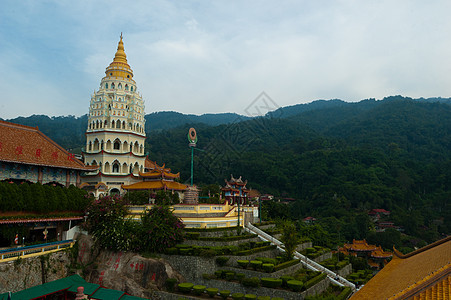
(222, 260)
(286, 264)
(170, 284)
(239, 276)
(250, 296)
(224, 294)
(251, 282)
(238, 296)
(199, 289)
(271, 282)
(268, 268)
(344, 294)
(212, 292)
(315, 280)
(185, 287)
(243, 263)
(295, 285)
(229, 275)
(289, 238)
(263, 298)
(285, 279)
(38, 198)
(255, 264)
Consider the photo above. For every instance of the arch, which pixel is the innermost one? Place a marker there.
(101, 145)
(96, 145)
(90, 146)
(118, 124)
(97, 124)
(115, 191)
(112, 124)
(119, 86)
(136, 147)
(123, 124)
(125, 146)
(106, 85)
(126, 87)
(130, 126)
(117, 144)
(124, 168)
(141, 168)
(108, 145)
(116, 167)
(105, 124)
(107, 168)
(112, 85)
(131, 88)
(141, 149)
(131, 147)
(100, 166)
(136, 168)
(94, 163)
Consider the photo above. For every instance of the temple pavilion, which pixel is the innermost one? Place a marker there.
(235, 191)
(375, 255)
(156, 178)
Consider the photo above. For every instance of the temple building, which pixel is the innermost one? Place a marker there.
(422, 274)
(156, 178)
(235, 191)
(26, 154)
(376, 257)
(115, 135)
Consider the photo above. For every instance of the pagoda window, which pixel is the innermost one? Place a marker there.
(130, 126)
(119, 87)
(101, 145)
(131, 147)
(126, 87)
(112, 124)
(94, 163)
(124, 168)
(105, 124)
(117, 144)
(97, 124)
(131, 88)
(131, 168)
(118, 124)
(123, 124)
(90, 146)
(107, 167)
(112, 85)
(141, 149)
(125, 146)
(96, 145)
(136, 147)
(136, 168)
(106, 85)
(108, 145)
(116, 167)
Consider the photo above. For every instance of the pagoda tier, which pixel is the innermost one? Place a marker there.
(235, 191)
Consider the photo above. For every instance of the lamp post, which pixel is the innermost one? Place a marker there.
(192, 138)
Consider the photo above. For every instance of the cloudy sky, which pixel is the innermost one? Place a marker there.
(218, 56)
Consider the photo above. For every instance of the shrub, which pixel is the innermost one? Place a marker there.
(185, 287)
(185, 251)
(212, 292)
(237, 296)
(199, 289)
(170, 283)
(344, 294)
(342, 264)
(286, 264)
(268, 267)
(207, 252)
(277, 298)
(255, 264)
(229, 275)
(263, 298)
(192, 235)
(208, 276)
(243, 263)
(251, 282)
(315, 280)
(250, 296)
(285, 279)
(310, 250)
(239, 276)
(222, 260)
(218, 274)
(224, 294)
(267, 260)
(271, 282)
(172, 251)
(295, 285)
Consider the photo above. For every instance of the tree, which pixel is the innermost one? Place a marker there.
(289, 238)
(160, 229)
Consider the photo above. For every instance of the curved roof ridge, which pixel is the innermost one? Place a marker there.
(427, 247)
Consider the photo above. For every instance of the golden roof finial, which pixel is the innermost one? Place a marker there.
(120, 53)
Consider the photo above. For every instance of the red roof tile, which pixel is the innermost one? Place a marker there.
(28, 145)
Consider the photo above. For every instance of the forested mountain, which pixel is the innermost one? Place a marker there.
(337, 159)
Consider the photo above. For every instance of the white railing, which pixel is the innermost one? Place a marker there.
(307, 262)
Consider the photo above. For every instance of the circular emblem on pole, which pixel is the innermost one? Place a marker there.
(192, 137)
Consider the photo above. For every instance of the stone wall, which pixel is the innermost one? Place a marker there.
(277, 274)
(220, 243)
(191, 267)
(28, 272)
(323, 257)
(345, 271)
(302, 246)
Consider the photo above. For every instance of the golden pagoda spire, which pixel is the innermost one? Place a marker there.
(119, 67)
(120, 53)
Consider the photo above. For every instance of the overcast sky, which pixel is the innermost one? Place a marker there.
(218, 56)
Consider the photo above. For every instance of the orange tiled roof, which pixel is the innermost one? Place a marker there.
(423, 271)
(379, 253)
(27, 145)
(159, 174)
(155, 185)
(360, 246)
